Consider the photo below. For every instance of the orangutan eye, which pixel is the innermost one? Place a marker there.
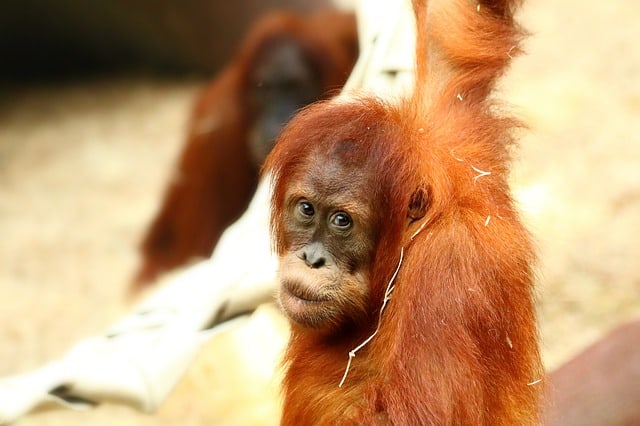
(341, 220)
(306, 209)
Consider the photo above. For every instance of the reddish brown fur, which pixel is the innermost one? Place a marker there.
(458, 341)
(215, 176)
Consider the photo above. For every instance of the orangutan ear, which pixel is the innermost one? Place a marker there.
(419, 203)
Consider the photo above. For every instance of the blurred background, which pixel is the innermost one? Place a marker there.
(71, 38)
(94, 102)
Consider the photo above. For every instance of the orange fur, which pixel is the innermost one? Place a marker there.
(457, 343)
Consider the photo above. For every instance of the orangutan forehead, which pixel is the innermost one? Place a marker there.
(333, 182)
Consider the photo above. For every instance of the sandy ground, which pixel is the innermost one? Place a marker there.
(82, 167)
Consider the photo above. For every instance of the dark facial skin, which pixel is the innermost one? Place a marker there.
(282, 81)
(324, 279)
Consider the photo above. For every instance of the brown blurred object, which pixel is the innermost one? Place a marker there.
(285, 62)
(601, 385)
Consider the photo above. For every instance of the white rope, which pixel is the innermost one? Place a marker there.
(385, 301)
(387, 297)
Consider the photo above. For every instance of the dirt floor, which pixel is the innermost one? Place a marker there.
(82, 167)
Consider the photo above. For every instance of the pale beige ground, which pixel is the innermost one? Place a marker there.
(82, 166)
